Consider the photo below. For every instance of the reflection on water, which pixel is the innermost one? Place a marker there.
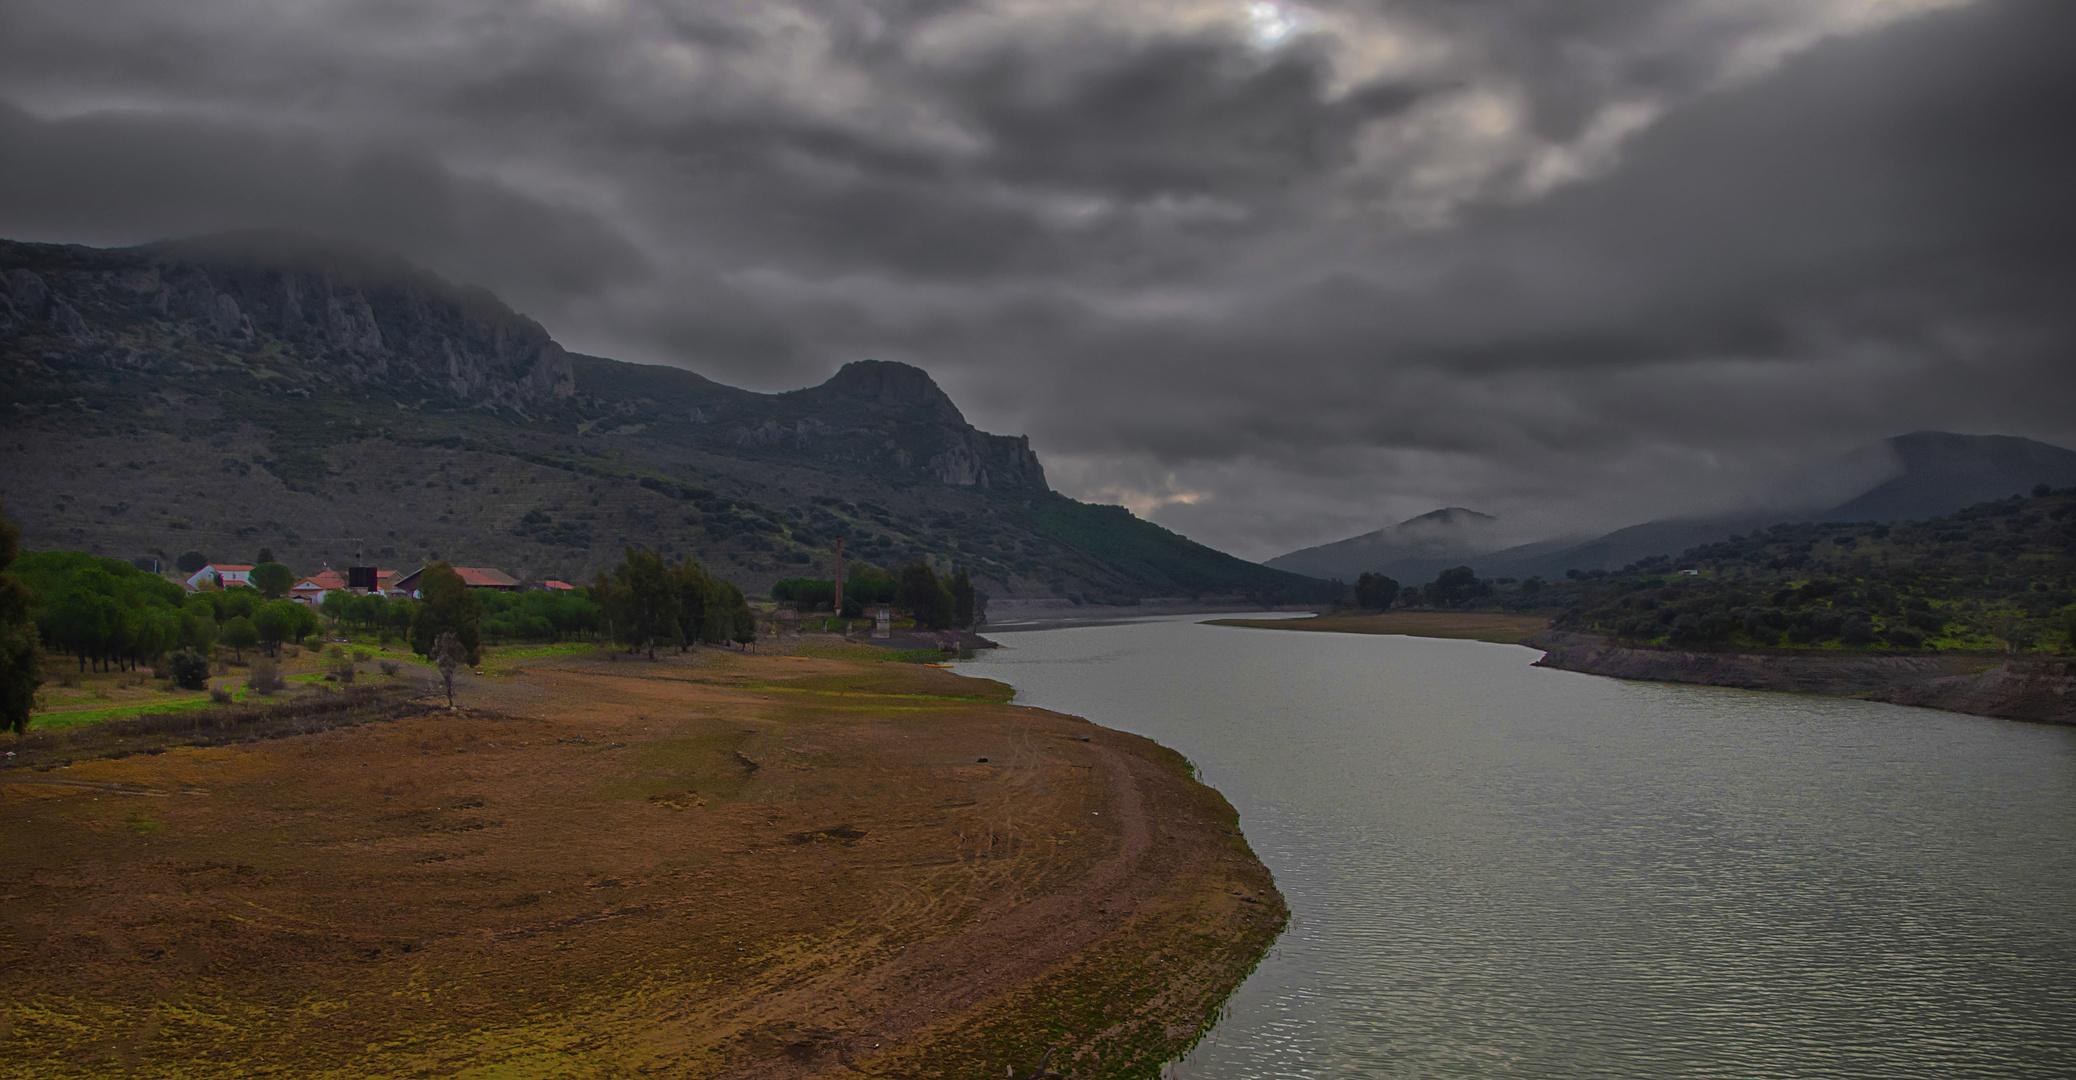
(1497, 870)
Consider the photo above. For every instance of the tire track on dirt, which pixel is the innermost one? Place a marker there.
(947, 976)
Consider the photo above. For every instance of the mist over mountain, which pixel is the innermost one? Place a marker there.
(332, 402)
(1412, 548)
(1911, 477)
(1939, 472)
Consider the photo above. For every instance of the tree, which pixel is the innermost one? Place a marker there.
(272, 579)
(448, 652)
(695, 588)
(1375, 591)
(188, 670)
(962, 599)
(446, 605)
(925, 596)
(191, 561)
(1457, 586)
(640, 599)
(240, 635)
(21, 657)
(741, 621)
(266, 555)
(198, 626)
(282, 620)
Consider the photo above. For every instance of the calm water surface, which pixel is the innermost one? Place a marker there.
(1500, 871)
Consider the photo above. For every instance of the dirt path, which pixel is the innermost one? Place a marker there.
(722, 867)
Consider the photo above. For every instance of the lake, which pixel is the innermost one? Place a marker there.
(1496, 870)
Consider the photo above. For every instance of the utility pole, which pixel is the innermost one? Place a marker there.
(839, 579)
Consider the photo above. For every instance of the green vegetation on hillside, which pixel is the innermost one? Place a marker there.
(1164, 563)
(2000, 576)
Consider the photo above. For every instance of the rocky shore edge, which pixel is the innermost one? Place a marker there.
(2006, 688)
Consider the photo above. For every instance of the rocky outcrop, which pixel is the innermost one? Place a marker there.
(2016, 689)
(977, 459)
(290, 304)
(884, 382)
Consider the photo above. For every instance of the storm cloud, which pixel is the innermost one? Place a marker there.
(1269, 273)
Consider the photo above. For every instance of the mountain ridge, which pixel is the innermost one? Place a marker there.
(1930, 473)
(336, 404)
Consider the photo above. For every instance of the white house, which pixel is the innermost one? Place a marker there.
(224, 574)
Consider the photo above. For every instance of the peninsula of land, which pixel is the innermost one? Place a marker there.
(2012, 688)
(713, 865)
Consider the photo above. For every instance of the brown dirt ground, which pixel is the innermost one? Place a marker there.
(712, 866)
(1475, 626)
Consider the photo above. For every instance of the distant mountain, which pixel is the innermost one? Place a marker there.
(1911, 477)
(1412, 550)
(1942, 472)
(1934, 473)
(255, 389)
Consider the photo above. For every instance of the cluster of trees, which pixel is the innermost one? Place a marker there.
(935, 603)
(1375, 591)
(647, 601)
(370, 613)
(2000, 575)
(109, 614)
(543, 616)
(808, 593)
(1996, 576)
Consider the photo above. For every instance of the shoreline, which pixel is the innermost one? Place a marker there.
(2014, 688)
(715, 865)
(2040, 691)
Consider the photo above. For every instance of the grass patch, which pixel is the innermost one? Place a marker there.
(528, 652)
(71, 718)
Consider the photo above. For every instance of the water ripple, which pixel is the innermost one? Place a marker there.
(1500, 871)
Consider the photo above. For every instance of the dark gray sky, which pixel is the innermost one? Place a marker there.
(1268, 273)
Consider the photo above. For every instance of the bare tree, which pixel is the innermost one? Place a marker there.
(448, 654)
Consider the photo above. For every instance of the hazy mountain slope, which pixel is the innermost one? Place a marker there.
(260, 390)
(1937, 473)
(1943, 472)
(1413, 549)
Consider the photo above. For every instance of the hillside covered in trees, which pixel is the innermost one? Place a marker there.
(1996, 577)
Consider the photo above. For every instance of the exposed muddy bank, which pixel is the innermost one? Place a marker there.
(2014, 689)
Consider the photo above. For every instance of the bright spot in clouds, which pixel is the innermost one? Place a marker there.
(1271, 23)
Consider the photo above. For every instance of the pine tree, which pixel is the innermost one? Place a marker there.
(21, 655)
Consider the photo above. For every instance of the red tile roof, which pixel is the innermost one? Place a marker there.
(220, 567)
(551, 583)
(484, 577)
(324, 579)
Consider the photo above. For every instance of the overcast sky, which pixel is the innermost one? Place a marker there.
(1269, 273)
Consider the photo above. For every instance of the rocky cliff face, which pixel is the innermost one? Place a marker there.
(224, 394)
(283, 305)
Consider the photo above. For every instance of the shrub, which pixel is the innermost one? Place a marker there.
(188, 670)
(391, 667)
(360, 656)
(265, 678)
(219, 695)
